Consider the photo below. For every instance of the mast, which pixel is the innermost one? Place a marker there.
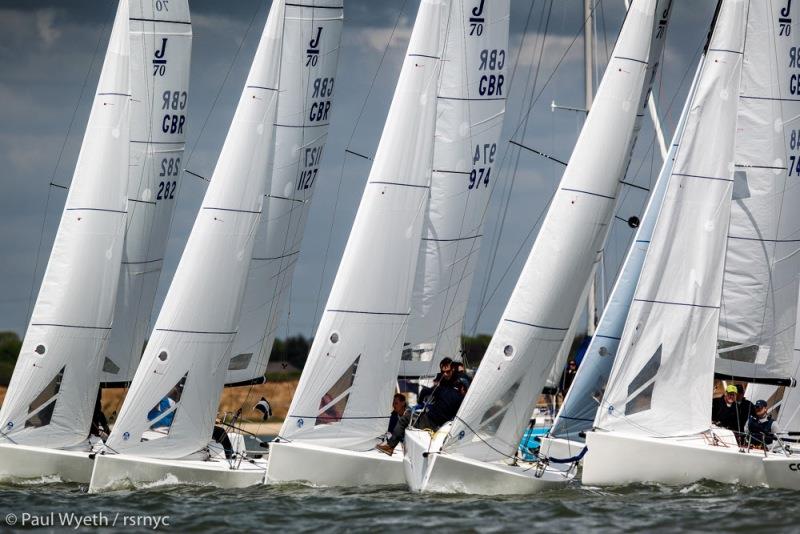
(588, 93)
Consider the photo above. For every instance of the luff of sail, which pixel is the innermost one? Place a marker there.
(161, 46)
(578, 411)
(344, 393)
(312, 37)
(187, 355)
(499, 403)
(470, 110)
(669, 340)
(51, 397)
(759, 296)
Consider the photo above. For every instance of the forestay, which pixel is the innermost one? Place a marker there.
(51, 397)
(312, 37)
(499, 403)
(161, 47)
(345, 391)
(666, 354)
(183, 367)
(470, 108)
(759, 297)
(580, 405)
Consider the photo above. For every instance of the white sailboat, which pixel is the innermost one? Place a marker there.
(48, 409)
(477, 453)
(166, 422)
(718, 289)
(577, 413)
(161, 49)
(312, 39)
(340, 408)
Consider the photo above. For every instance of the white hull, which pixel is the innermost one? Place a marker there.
(782, 471)
(25, 462)
(115, 471)
(561, 448)
(616, 458)
(453, 473)
(326, 466)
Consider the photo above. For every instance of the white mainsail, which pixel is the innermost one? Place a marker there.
(666, 354)
(502, 396)
(345, 390)
(312, 37)
(52, 393)
(160, 53)
(470, 110)
(188, 352)
(580, 405)
(759, 296)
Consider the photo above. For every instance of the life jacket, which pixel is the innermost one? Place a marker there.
(761, 431)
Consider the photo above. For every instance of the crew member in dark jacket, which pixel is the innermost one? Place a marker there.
(725, 411)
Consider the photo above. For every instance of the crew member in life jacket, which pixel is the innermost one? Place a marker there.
(760, 427)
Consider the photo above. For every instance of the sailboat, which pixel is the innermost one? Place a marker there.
(477, 453)
(165, 426)
(717, 294)
(340, 409)
(111, 206)
(576, 415)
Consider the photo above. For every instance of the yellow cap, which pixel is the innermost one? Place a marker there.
(731, 389)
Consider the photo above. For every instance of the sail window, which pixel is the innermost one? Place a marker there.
(110, 367)
(492, 417)
(508, 350)
(240, 361)
(335, 337)
(40, 349)
(162, 415)
(40, 411)
(640, 390)
(730, 350)
(163, 355)
(334, 402)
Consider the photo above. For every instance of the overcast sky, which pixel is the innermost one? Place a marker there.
(49, 48)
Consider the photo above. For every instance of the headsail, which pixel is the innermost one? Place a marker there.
(312, 37)
(470, 111)
(499, 403)
(669, 340)
(188, 352)
(161, 47)
(52, 393)
(759, 297)
(580, 405)
(345, 390)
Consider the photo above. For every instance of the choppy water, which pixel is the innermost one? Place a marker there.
(296, 508)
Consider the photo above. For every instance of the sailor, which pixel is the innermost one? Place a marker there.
(445, 378)
(566, 379)
(760, 427)
(99, 426)
(399, 409)
(446, 401)
(724, 410)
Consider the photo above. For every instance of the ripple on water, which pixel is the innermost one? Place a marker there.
(308, 509)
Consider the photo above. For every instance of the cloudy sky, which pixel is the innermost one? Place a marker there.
(50, 56)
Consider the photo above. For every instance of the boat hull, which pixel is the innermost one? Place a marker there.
(782, 471)
(25, 462)
(615, 458)
(326, 466)
(436, 472)
(116, 471)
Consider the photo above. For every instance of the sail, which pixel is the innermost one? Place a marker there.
(470, 110)
(666, 354)
(161, 47)
(51, 397)
(312, 37)
(188, 352)
(533, 326)
(580, 405)
(759, 297)
(344, 395)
